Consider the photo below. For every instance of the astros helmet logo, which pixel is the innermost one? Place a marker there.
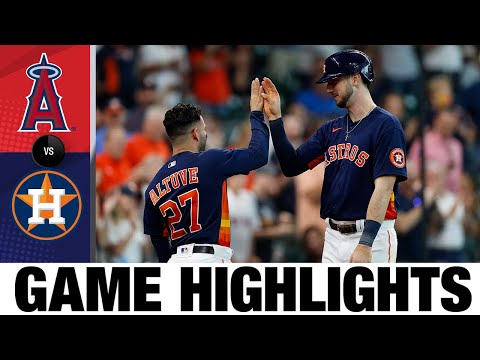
(44, 102)
(46, 205)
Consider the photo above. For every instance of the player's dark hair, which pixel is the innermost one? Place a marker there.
(179, 119)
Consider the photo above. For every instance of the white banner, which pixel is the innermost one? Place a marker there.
(306, 288)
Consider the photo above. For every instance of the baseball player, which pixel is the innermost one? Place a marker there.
(364, 154)
(186, 207)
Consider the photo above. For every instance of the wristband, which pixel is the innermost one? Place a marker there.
(369, 232)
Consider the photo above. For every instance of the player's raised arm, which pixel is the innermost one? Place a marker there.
(244, 160)
(293, 162)
(258, 146)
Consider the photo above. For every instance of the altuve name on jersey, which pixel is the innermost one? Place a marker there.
(180, 178)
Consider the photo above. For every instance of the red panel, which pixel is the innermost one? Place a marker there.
(73, 86)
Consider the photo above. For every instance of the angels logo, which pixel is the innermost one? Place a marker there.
(44, 102)
(46, 205)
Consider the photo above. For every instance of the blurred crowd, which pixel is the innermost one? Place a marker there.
(433, 89)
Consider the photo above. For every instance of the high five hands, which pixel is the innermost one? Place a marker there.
(256, 100)
(271, 100)
(265, 97)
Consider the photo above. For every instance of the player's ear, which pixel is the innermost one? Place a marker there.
(357, 79)
(195, 134)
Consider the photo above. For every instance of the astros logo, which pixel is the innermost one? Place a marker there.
(397, 158)
(43, 102)
(46, 205)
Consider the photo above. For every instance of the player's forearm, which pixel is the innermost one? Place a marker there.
(258, 146)
(286, 153)
(377, 207)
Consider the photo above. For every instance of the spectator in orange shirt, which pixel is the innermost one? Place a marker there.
(210, 80)
(112, 168)
(151, 140)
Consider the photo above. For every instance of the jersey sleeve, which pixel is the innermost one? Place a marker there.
(155, 226)
(390, 153)
(307, 156)
(153, 222)
(243, 160)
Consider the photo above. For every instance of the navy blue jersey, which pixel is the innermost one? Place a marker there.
(376, 147)
(186, 202)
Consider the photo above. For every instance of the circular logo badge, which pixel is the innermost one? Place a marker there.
(46, 205)
(48, 151)
(397, 158)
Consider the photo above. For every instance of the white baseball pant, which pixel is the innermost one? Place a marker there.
(338, 247)
(202, 253)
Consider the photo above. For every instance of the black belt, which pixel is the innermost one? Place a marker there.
(203, 249)
(343, 228)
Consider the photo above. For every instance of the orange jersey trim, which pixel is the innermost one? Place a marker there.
(316, 161)
(224, 232)
(391, 213)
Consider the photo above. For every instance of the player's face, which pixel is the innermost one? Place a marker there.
(341, 89)
(202, 144)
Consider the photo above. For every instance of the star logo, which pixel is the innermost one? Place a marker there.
(46, 205)
(397, 158)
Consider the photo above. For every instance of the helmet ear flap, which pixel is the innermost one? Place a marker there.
(367, 72)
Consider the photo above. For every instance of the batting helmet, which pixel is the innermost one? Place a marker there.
(347, 62)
